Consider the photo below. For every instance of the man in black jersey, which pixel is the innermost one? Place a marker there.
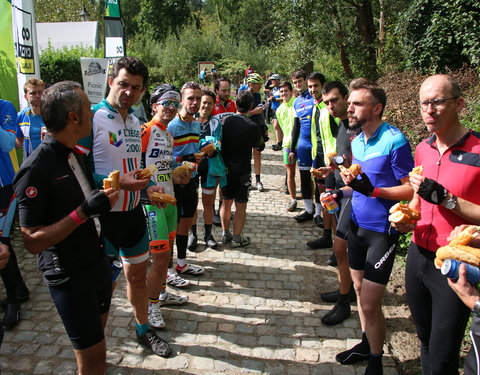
(335, 96)
(59, 209)
(239, 136)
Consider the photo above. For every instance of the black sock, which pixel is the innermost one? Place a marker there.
(182, 242)
(208, 230)
(280, 143)
(359, 352)
(257, 177)
(327, 233)
(193, 229)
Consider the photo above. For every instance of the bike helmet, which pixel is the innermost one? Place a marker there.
(254, 78)
(165, 91)
(275, 76)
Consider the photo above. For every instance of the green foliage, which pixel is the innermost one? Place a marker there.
(66, 11)
(157, 19)
(64, 64)
(404, 244)
(441, 34)
(472, 119)
(175, 59)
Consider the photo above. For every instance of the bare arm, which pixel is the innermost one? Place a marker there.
(403, 192)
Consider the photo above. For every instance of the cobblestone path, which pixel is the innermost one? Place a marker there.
(255, 310)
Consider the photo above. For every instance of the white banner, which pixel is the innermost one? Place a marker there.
(26, 47)
(94, 74)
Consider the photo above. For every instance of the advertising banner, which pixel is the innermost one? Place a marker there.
(114, 37)
(112, 8)
(26, 45)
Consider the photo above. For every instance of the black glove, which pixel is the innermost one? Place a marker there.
(190, 158)
(260, 147)
(339, 194)
(363, 185)
(96, 204)
(432, 191)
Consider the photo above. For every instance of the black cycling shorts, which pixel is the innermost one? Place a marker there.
(81, 301)
(124, 229)
(237, 187)
(372, 252)
(187, 198)
(343, 218)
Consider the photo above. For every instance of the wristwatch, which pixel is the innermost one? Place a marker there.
(476, 308)
(451, 202)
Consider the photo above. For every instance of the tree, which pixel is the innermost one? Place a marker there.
(159, 18)
(441, 34)
(66, 11)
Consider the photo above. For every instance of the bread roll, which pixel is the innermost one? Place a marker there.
(163, 198)
(147, 172)
(112, 181)
(417, 170)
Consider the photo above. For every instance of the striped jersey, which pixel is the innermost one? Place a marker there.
(114, 144)
(185, 139)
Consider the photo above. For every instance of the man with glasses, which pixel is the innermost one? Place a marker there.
(157, 146)
(444, 194)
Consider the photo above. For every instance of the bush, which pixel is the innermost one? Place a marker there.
(64, 64)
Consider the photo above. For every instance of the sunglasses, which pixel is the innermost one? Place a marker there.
(169, 103)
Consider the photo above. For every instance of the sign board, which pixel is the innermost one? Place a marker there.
(94, 74)
(205, 64)
(114, 37)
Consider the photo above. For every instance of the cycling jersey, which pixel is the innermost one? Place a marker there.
(29, 128)
(8, 122)
(276, 93)
(114, 144)
(285, 114)
(457, 169)
(385, 158)
(186, 137)
(324, 133)
(221, 112)
(303, 106)
(157, 145)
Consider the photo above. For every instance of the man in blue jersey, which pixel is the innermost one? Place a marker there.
(185, 131)
(255, 82)
(15, 288)
(385, 158)
(31, 129)
(116, 144)
(301, 143)
(272, 91)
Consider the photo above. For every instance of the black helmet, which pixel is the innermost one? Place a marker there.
(165, 88)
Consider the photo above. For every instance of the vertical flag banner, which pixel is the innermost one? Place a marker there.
(8, 65)
(26, 45)
(112, 8)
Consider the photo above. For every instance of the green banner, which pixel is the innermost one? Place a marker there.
(112, 8)
(8, 65)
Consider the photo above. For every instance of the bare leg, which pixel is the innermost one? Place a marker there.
(92, 360)
(278, 130)
(257, 161)
(136, 275)
(239, 218)
(225, 213)
(157, 275)
(292, 188)
(344, 277)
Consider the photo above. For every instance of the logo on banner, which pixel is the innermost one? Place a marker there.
(94, 68)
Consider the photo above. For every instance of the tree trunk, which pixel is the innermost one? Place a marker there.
(381, 29)
(344, 57)
(367, 31)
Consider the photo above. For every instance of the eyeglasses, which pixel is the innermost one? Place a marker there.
(169, 103)
(436, 103)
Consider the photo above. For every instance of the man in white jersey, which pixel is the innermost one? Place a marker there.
(116, 144)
